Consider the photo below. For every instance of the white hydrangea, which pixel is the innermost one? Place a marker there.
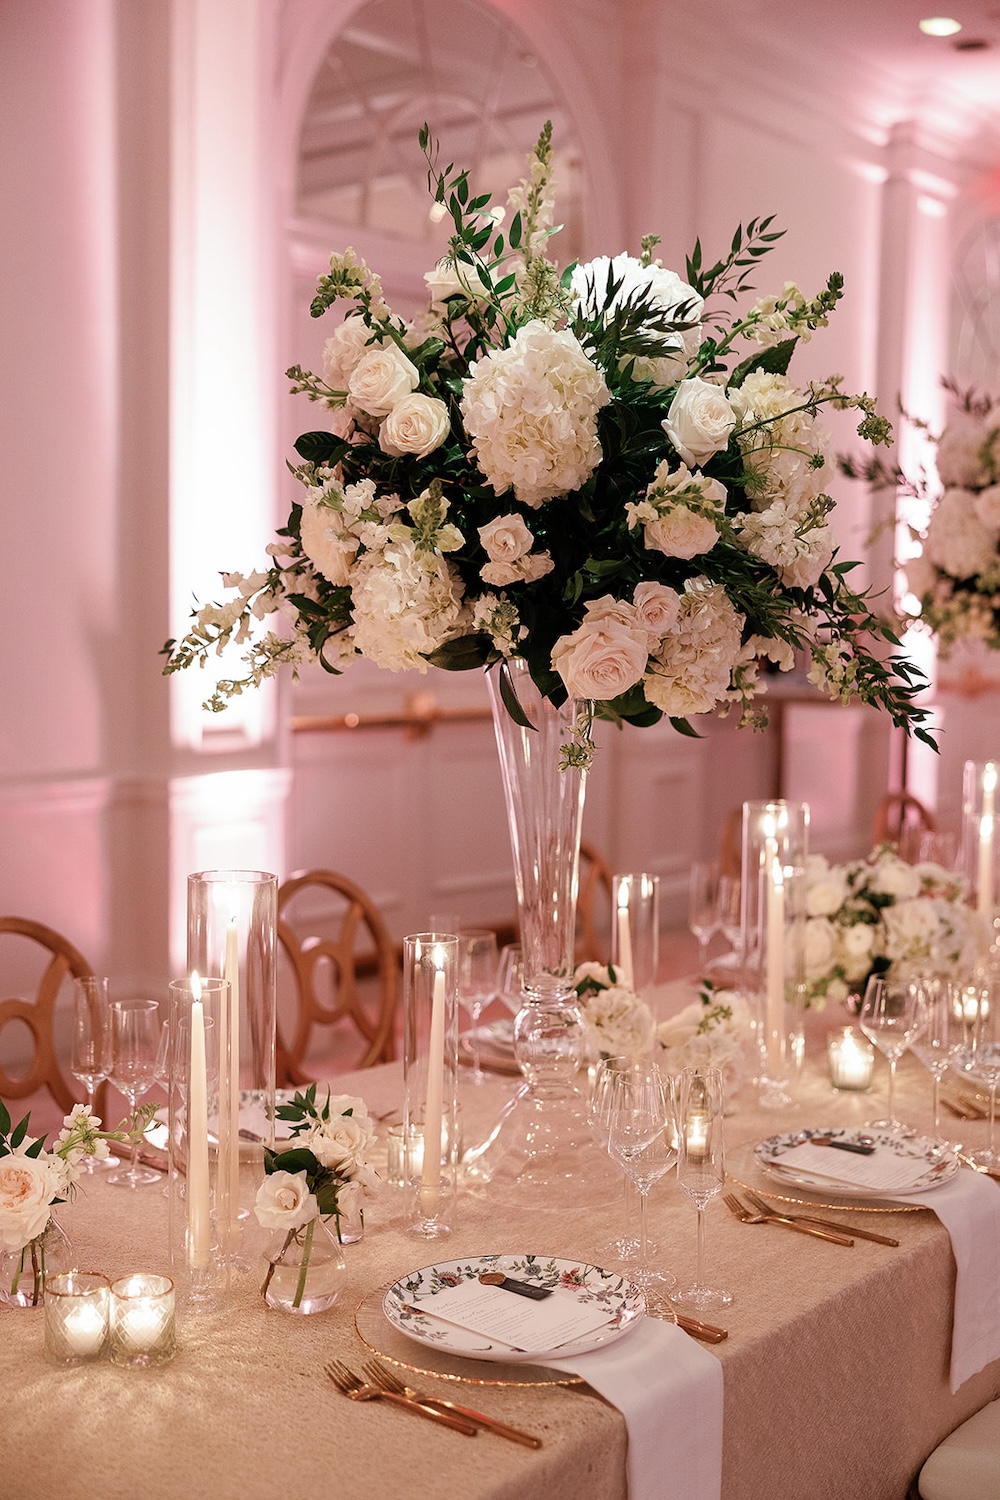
(957, 541)
(667, 295)
(691, 671)
(531, 411)
(406, 603)
(710, 1033)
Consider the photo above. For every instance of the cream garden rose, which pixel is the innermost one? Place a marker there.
(417, 424)
(27, 1188)
(285, 1202)
(603, 658)
(380, 379)
(508, 543)
(699, 420)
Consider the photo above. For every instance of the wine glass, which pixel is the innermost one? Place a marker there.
(599, 1103)
(477, 983)
(941, 1038)
(703, 920)
(701, 1165)
(641, 1140)
(727, 910)
(136, 1038)
(510, 977)
(981, 1061)
(891, 1018)
(90, 1053)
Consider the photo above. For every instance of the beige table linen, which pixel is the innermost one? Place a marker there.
(835, 1371)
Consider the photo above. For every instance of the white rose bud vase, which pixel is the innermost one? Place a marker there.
(303, 1269)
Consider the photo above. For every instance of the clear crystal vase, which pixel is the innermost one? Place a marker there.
(23, 1272)
(544, 1130)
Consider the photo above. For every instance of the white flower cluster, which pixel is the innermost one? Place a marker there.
(339, 1134)
(616, 1022)
(531, 412)
(712, 1032)
(662, 291)
(883, 915)
(955, 578)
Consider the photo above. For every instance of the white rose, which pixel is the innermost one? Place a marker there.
(601, 660)
(858, 940)
(381, 379)
(27, 1188)
(417, 424)
(344, 349)
(892, 876)
(321, 531)
(681, 533)
(826, 891)
(284, 1201)
(506, 539)
(820, 947)
(657, 607)
(339, 1143)
(699, 420)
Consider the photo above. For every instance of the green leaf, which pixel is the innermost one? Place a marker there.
(773, 361)
(4, 1119)
(463, 653)
(683, 727)
(511, 702)
(515, 231)
(321, 447)
(19, 1132)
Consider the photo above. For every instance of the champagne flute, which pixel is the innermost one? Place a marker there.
(90, 1053)
(703, 918)
(599, 1103)
(477, 983)
(136, 1038)
(641, 1140)
(940, 1041)
(981, 1061)
(701, 1165)
(891, 1018)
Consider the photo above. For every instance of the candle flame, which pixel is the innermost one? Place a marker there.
(990, 776)
(195, 984)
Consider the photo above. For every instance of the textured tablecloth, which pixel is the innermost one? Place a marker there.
(817, 1333)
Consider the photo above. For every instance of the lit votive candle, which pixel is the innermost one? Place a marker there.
(142, 1320)
(76, 1317)
(851, 1058)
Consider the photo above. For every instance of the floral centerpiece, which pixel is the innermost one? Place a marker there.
(712, 1032)
(606, 471)
(881, 915)
(32, 1179)
(323, 1175)
(954, 579)
(616, 1022)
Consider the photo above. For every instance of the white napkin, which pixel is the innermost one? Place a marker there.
(669, 1390)
(969, 1208)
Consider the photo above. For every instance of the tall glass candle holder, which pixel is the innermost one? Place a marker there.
(635, 929)
(981, 836)
(195, 1182)
(430, 1078)
(772, 931)
(231, 934)
(76, 1317)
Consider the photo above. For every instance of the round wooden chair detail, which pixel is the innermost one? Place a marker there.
(64, 962)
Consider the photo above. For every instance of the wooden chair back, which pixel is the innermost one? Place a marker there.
(344, 972)
(900, 819)
(58, 962)
(593, 907)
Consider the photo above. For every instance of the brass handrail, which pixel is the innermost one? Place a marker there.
(416, 720)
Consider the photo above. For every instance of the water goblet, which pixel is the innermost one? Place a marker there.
(891, 1017)
(701, 1165)
(640, 1122)
(135, 1039)
(90, 1052)
(941, 1039)
(477, 984)
(703, 920)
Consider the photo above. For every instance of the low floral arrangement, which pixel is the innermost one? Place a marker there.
(324, 1174)
(606, 471)
(32, 1178)
(955, 578)
(881, 915)
(616, 1022)
(712, 1032)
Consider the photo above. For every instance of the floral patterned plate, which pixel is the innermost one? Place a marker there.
(940, 1158)
(409, 1304)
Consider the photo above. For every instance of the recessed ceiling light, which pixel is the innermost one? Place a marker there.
(940, 26)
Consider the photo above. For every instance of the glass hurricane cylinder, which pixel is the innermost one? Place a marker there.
(196, 1176)
(231, 935)
(772, 937)
(430, 1079)
(635, 929)
(981, 837)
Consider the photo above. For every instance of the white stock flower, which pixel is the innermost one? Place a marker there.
(957, 541)
(380, 379)
(531, 411)
(784, 450)
(603, 657)
(27, 1188)
(285, 1202)
(699, 420)
(691, 671)
(417, 424)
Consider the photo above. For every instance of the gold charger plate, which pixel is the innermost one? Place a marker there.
(377, 1334)
(746, 1174)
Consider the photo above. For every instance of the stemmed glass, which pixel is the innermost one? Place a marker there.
(701, 1165)
(891, 1017)
(599, 1105)
(136, 1037)
(477, 983)
(640, 1121)
(91, 1052)
(703, 918)
(941, 1038)
(510, 977)
(981, 1062)
(727, 910)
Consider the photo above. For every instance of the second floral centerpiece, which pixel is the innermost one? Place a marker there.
(322, 1176)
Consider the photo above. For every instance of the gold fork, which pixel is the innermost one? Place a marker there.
(359, 1390)
(387, 1380)
(861, 1234)
(747, 1217)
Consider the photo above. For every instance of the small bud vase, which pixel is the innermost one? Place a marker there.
(23, 1272)
(303, 1270)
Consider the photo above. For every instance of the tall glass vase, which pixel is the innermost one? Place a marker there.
(544, 1135)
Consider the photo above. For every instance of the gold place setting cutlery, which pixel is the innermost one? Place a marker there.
(751, 1216)
(357, 1389)
(384, 1379)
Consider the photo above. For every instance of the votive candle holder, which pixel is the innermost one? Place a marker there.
(142, 1320)
(76, 1317)
(851, 1058)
